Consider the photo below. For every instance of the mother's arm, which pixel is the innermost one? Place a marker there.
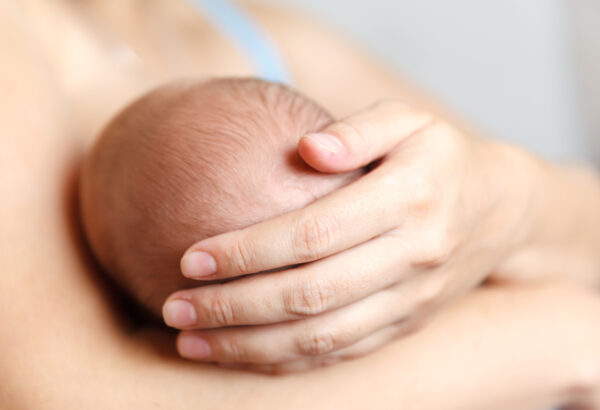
(64, 348)
(442, 211)
(563, 239)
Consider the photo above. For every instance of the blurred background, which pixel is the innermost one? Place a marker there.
(525, 71)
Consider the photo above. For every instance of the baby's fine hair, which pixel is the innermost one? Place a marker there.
(190, 160)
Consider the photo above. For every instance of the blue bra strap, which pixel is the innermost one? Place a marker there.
(248, 36)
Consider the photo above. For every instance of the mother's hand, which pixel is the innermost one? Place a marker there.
(371, 261)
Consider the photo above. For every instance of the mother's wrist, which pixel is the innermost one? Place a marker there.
(519, 176)
(560, 229)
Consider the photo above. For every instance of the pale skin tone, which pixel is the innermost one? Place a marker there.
(64, 346)
(442, 211)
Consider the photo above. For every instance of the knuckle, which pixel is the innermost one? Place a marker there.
(308, 299)
(317, 342)
(312, 237)
(240, 257)
(218, 309)
(233, 350)
(424, 195)
(359, 136)
(436, 252)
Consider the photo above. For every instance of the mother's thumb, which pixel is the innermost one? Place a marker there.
(361, 138)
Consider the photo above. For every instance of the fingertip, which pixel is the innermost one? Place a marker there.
(326, 142)
(198, 265)
(192, 346)
(179, 313)
(323, 152)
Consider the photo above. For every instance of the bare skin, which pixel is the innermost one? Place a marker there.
(64, 345)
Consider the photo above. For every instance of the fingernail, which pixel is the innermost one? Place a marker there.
(327, 142)
(193, 347)
(179, 313)
(198, 264)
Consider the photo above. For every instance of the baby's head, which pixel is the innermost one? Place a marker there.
(189, 161)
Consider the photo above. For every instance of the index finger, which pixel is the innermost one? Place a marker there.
(340, 220)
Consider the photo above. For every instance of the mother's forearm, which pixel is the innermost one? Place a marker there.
(561, 233)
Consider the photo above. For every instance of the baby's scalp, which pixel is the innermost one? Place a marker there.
(191, 160)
